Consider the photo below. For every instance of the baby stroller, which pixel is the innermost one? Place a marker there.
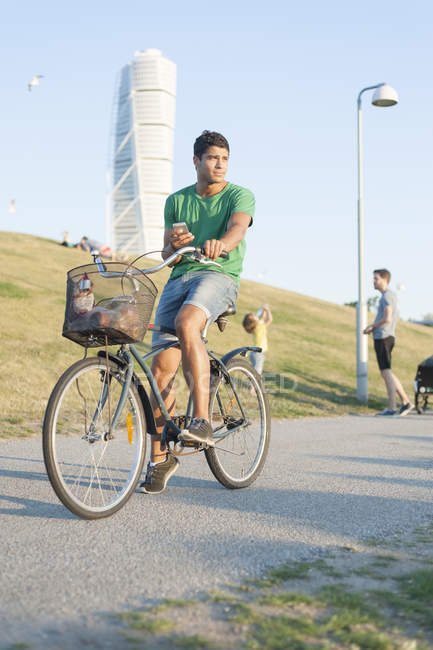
(423, 384)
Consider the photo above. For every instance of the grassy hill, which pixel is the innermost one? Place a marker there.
(309, 370)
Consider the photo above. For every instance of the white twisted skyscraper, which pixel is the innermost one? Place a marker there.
(143, 152)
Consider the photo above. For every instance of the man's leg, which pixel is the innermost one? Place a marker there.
(190, 323)
(400, 391)
(209, 293)
(162, 465)
(383, 348)
(164, 369)
(388, 378)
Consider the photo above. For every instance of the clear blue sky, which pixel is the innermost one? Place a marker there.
(280, 80)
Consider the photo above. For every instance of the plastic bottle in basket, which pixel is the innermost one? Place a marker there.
(83, 299)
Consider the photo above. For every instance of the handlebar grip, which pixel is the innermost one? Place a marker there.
(223, 254)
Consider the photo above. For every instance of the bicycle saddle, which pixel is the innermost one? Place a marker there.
(222, 321)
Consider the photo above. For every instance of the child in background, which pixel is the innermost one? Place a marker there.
(257, 324)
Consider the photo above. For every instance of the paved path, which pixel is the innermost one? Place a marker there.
(327, 482)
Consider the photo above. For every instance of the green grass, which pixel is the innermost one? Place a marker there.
(282, 573)
(424, 534)
(171, 603)
(217, 596)
(141, 620)
(309, 368)
(383, 561)
(367, 571)
(325, 608)
(331, 616)
(194, 642)
(9, 290)
(290, 598)
(282, 632)
(340, 597)
(326, 569)
(418, 585)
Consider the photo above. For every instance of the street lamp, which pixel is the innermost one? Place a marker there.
(384, 95)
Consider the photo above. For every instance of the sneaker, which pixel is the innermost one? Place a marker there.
(405, 409)
(198, 431)
(389, 412)
(157, 475)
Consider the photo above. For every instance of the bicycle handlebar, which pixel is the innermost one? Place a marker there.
(198, 256)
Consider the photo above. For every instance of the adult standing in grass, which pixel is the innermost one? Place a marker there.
(383, 330)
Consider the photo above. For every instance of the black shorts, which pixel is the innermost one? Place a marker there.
(383, 349)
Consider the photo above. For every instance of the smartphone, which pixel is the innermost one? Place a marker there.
(180, 228)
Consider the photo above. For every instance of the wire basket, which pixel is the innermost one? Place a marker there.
(102, 310)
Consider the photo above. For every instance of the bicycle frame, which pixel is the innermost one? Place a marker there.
(130, 352)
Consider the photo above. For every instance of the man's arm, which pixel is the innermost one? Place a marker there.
(387, 318)
(236, 228)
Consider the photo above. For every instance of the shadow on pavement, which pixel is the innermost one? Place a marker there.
(421, 463)
(33, 508)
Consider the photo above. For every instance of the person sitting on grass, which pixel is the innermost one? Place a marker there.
(257, 324)
(86, 244)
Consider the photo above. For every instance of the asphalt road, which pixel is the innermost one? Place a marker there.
(326, 483)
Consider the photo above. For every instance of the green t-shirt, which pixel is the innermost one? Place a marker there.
(207, 218)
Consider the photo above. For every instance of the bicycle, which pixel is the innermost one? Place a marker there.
(98, 414)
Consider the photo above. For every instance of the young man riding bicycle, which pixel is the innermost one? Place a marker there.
(217, 214)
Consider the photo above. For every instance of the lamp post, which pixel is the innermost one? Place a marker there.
(384, 95)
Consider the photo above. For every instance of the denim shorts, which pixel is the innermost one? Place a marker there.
(211, 291)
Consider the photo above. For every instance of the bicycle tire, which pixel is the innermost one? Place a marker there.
(92, 474)
(239, 455)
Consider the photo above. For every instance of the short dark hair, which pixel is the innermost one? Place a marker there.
(209, 139)
(384, 273)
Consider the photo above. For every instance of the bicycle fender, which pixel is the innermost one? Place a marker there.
(242, 351)
(148, 411)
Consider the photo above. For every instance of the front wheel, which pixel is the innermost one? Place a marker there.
(93, 470)
(240, 417)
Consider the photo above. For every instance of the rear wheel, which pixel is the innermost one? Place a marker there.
(241, 425)
(93, 470)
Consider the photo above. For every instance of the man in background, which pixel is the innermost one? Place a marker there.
(383, 330)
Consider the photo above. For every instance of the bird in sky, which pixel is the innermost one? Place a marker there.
(12, 209)
(35, 81)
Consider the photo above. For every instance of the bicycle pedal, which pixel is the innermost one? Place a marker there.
(190, 443)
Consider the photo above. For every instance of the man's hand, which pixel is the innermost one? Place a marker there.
(172, 242)
(177, 241)
(213, 248)
(368, 329)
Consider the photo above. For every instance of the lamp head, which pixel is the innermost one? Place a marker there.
(385, 96)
